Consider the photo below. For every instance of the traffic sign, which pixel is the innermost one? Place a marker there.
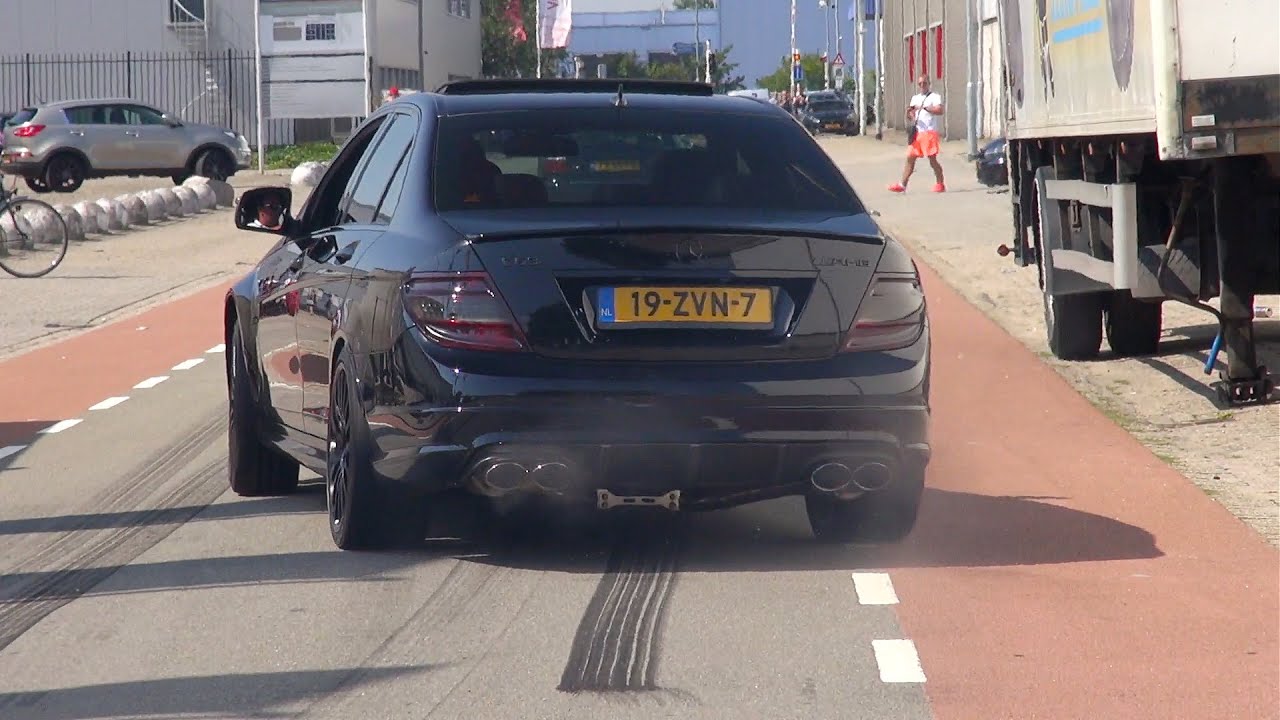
(839, 62)
(797, 72)
(684, 48)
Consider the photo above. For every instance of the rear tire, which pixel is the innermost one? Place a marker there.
(887, 516)
(254, 469)
(65, 173)
(1073, 324)
(37, 185)
(1133, 326)
(364, 512)
(215, 165)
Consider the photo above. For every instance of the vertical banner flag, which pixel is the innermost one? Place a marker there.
(869, 10)
(556, 22)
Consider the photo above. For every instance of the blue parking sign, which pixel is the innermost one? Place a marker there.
(797, 72)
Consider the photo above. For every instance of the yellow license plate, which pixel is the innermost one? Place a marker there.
(615, 166)
(745, 306)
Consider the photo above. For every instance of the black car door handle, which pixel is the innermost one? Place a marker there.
(345, 254)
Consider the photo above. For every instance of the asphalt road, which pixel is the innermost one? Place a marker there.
(1060, 571)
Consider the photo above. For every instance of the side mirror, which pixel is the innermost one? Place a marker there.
(171, 122)
(265, 209)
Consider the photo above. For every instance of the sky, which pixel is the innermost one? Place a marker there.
(617, 5)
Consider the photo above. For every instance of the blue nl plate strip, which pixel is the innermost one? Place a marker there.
(604, 305)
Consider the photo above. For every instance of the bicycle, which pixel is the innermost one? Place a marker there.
(30, 229)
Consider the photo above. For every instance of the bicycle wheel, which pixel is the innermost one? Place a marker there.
(33, 238)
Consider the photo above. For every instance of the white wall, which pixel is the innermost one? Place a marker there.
(452, 44)
(84, 26)
(396, 34)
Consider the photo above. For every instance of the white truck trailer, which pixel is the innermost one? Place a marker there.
(1144, 166)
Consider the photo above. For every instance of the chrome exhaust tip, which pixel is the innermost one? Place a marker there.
(831, 477)
(505, 476)
(551, 476)
(872, 476)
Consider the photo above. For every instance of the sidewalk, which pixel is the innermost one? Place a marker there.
(1165, 400)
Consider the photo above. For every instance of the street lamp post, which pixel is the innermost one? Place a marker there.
(826, 59)
(794, 53)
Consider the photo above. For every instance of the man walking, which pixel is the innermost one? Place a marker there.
(922, 117)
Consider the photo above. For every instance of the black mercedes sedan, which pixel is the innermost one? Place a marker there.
(719, 322)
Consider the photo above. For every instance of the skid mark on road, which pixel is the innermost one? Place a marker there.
(451, 633)
(618, 641)
(78, 559)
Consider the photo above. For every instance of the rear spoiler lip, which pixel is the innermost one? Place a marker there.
(619, 229)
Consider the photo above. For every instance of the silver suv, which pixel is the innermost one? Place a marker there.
(57, 146)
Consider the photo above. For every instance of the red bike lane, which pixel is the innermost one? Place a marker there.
(60, 382)
(1060, 570)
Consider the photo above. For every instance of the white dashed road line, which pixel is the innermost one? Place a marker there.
(112, 401)
(60, 426)
(898, 661)
(874, 589)
(108, 403)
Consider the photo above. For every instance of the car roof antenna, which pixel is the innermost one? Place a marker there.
(620, 101)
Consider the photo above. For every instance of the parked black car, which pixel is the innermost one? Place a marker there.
(990, 164)
(829, 111)
(729, 325)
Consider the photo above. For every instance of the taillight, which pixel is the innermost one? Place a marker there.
(462, 310)
(891, 316)
(26, 131)
(555, 165)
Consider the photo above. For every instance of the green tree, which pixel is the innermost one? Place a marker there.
(690, 67)
(503, 55)
(693, 4)
(780, 80)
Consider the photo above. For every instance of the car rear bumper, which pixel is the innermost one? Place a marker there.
(647, 430)
(20, 162)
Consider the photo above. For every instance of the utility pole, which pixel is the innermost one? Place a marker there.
(795, 60)
(971, 104)
(826, 59)
(697, 27)
(880, 69)
(860, 49)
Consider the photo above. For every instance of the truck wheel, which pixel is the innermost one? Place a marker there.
(1073, 324)
(1133, 326)
(1072, 321)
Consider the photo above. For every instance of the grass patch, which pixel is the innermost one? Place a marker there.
(287, 157)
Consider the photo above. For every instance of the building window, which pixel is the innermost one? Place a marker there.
(459, 8)
(322, 31)
(286, 32)
(909, 43)
(924, 53)
(937, 51)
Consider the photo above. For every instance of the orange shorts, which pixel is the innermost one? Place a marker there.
(925, 145)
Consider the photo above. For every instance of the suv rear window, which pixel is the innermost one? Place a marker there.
(23, 115)
(561, 157)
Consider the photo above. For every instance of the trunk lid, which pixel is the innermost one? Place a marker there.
(704, 286)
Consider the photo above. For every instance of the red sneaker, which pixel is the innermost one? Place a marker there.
(939, 188)
(897, 187)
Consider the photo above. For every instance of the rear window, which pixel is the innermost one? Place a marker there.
(20, 117)
(634, 156)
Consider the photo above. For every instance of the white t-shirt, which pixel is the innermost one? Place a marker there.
(926, 120)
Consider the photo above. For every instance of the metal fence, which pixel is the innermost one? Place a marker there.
(218, 89)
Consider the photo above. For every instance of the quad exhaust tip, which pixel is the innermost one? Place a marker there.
(505, 476)
(834, 477)
(551, 476)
